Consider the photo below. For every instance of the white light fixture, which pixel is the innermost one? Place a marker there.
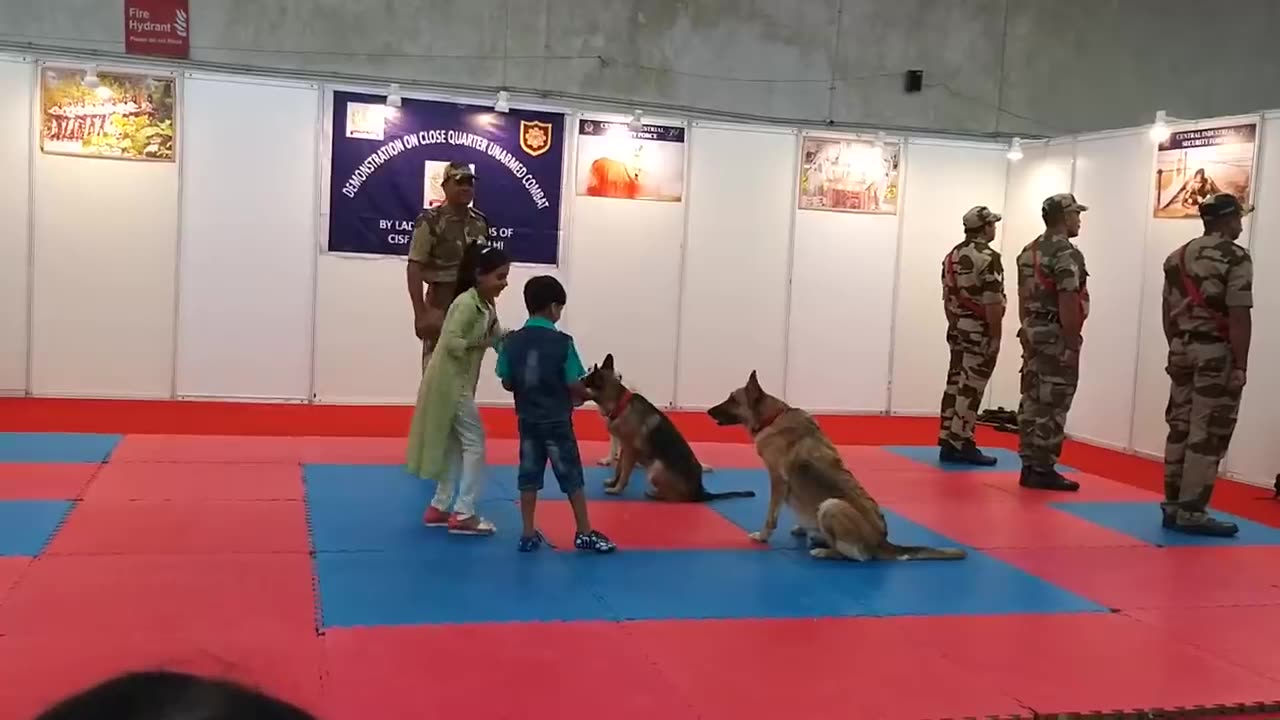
(503, 103)
(1015, 149)
(393, 96)
(880, 139)
(1160, 130)
(636, 124)
(91, 80)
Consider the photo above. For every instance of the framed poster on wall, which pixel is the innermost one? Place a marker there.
(1192, 165)
(615, 161)
(388, 163)
(854, 176)
(108, 115)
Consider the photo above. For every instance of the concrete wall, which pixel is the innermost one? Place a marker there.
(1007, 66)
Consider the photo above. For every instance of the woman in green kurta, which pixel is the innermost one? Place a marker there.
(446, 439)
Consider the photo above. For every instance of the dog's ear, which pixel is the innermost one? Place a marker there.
(608, 362)
(754, 391)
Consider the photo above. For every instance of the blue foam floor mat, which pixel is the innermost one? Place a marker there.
(1141, 521)
(26, 526)
(1008, 460)
(56, 447)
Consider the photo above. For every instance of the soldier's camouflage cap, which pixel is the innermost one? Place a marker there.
(980, 216)
(1223, 204)
(1062, 202)
(458, 171)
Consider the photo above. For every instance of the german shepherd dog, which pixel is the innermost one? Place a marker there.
(648, 438)
(837, 514)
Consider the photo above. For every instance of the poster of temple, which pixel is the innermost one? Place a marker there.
(850, 176)
(1192, 165)
(112, 115)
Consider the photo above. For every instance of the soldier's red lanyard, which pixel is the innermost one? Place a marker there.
(953, 289)
(1047, 282)
(1197, 298)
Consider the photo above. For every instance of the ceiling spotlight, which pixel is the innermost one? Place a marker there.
(1160, 130)
(636, 124)
(91, 80)
(393, 96)
(1015, 150)
(503, 103)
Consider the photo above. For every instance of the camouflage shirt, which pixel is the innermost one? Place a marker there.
(1048, 265)
(1220, 271)
(440, 236)
(972, 276)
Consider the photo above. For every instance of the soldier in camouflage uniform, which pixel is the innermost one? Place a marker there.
(1208, 296)
(440, 234)
(974, 300)
(1053, 303)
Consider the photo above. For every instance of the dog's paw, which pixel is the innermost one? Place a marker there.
(798, 531)
(759, 537)
(825, 554)
(613, 490)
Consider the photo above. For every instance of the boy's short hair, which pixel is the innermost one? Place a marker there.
(541, 292)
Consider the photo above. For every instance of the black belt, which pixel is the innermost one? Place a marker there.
(1202, 337)
(1045, 315)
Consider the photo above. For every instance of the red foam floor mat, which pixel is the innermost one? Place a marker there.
(209, 449)
(39, 672)
(926, 485)
(1010, 523)
(551, 670)
(352, 450)
(1098, 662)
(646, 526)
(61, 481)
(196, 481)
(11, 568)
(836, 669)
(106, 597)
(1150, 577)
(179, 528)
(1246, 636)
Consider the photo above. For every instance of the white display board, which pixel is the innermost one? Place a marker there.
(1112, 179)
(105, 247)
(946, 179)
(841, 285)
(1151, 394)
(1045, 169)
(1255, 453)
(741, 190)
(248, 249)
(16, 81)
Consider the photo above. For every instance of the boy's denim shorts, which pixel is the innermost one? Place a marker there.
(554, 442)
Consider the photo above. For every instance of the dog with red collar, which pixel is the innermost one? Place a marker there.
(647, 437)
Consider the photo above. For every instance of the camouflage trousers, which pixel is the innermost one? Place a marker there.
(1202, 411)
(1050, 374)
(972, 364)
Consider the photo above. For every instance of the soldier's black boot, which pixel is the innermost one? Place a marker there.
(968, 454)
(1050, 480)
(1203, 524)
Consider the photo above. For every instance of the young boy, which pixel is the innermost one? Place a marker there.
(540, 366)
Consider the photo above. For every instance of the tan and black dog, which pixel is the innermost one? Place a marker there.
(648, 438)
(806, 471)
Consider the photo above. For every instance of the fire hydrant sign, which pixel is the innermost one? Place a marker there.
(157, 27)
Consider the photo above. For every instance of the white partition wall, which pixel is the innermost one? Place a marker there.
(625, 299)
(1046, 169)
(248, 250)
(16, 83)
(1255, 452)
(1152, 391)
(1111, 177)
(945, 180)
(841, 286)
(105, 244)
(741, 190)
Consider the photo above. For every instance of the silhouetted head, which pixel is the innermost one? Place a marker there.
(163, 695)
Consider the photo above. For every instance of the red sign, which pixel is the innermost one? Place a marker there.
(157, 27)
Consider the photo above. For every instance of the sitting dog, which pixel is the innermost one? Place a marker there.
(611, 459)
(648, 437)
(805, 470)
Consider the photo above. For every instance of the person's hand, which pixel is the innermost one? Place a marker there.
(427, 324)
(1237, 379)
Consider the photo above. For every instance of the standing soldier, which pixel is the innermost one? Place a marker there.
(1053, 303)
(1208, 293)
(440, 234)
(974, 300)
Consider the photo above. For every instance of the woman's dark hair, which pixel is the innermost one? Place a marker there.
(478, 259)
(163, 695)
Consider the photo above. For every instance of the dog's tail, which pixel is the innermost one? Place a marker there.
(707, 496)
(889, 551)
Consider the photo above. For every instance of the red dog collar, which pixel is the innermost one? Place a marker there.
(623, 402)
(764, 425)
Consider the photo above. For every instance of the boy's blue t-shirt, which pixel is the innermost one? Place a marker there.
(538, 363)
